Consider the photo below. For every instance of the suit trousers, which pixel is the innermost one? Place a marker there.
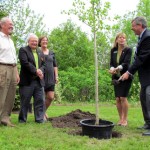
(8, 83)
(26, 93)
(145, 103)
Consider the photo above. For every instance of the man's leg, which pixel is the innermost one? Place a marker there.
(39, 107)
(11, 92)
(26, 93)
(3, 87)
(148, 104)
(147, 110)
(144, 105)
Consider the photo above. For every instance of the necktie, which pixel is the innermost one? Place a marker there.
(139, 40)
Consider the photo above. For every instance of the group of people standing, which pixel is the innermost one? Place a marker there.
(122, 72)
(37, 78)
(39, 73)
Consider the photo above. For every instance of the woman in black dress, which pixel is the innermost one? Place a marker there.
(119, 62)
(51, 72)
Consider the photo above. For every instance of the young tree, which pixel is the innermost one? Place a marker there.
(94, 14)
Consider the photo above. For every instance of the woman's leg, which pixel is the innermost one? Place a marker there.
(119, 108)
(124, 103)
(48, 100)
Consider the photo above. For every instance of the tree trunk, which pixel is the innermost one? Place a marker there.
(96, 81)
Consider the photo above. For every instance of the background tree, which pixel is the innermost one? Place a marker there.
(25, 21)
(72, 46)
(3, 12)
(143, 10)
(75, 61)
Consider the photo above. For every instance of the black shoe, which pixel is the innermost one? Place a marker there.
(145, 127)
(21, 121)
(146, 133)
(40, 121)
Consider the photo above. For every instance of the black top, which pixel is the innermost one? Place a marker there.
(124, 59)
(121, 89)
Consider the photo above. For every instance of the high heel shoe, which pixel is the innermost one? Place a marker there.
(119, 123)
(124, 123)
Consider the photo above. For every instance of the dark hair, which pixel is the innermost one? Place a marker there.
(40, 39)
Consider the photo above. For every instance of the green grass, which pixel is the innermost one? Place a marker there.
(32, 136)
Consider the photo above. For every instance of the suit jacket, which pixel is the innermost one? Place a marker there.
(124, 60)
(28, 66)
(142, 59)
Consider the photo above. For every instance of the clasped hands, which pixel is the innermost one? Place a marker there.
(39, 73)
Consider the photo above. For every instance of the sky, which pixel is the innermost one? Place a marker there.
(51, 9)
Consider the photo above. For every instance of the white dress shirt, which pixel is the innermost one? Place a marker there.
(7, 50)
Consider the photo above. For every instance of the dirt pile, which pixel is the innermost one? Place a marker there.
(72, 121)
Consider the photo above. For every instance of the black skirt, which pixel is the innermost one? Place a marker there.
(122, 89)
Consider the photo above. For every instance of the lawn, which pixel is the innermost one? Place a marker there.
(33, 136)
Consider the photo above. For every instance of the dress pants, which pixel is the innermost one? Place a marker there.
(145, 103)
(26, 93)
(8, 83)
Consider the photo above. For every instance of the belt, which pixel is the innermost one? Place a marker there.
(13, 65)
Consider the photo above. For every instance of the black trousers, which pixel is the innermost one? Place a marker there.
(145, 103)
(26, 93)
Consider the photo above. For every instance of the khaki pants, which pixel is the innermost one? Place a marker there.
(8, 82)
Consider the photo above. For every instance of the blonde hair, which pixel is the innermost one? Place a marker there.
(117, 36)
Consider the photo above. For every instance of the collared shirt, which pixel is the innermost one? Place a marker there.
(35, 58)
(7, 50)
(139, 38)
(142, 33)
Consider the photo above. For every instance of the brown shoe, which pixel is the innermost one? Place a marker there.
(9, 124)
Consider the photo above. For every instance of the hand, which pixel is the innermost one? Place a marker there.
(18, 78)
(56, 79)
(39, 73)
(125, 76)
(113, 71)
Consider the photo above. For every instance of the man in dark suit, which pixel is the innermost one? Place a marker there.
(142, 65)
(31, 80)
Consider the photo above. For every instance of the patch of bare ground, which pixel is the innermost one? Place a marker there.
(72, 121)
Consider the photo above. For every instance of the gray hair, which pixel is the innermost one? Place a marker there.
(31, 35)
(4, 20)
(140, 20)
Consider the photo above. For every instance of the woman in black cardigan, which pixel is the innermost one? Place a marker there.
(119, 64)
